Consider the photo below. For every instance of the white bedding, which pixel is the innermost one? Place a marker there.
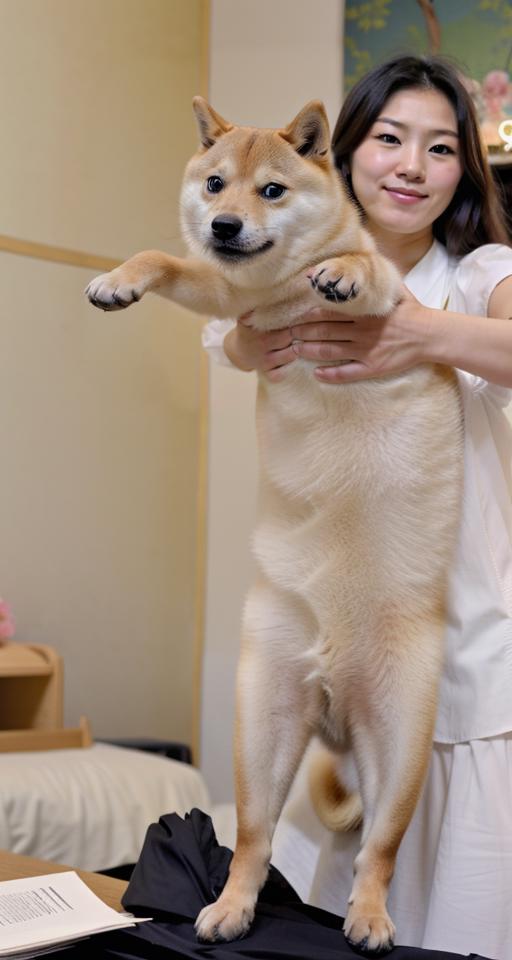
(90, 808)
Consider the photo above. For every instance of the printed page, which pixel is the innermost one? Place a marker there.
(50, 909)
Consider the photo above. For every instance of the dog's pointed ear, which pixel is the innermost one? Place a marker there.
(211, 125)
(309, 133)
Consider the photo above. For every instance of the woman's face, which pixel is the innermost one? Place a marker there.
(406, 170)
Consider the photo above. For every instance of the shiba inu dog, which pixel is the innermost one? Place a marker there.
(359, 493)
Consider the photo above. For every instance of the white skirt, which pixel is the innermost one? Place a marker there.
(452, 888)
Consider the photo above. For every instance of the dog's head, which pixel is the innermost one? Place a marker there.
(258, 200)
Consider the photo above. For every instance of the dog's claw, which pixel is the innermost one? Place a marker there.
(315, 279)
(120, 302)
(222, 923)
(213, 936)
(363, 950)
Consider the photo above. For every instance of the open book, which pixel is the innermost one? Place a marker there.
(39, 914)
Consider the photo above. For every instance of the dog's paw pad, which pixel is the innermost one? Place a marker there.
(333, 286)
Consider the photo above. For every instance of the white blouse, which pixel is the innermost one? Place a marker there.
(475, 699)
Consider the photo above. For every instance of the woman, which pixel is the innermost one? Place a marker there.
(407, 145)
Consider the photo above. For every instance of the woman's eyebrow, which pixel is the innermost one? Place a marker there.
(404, 126)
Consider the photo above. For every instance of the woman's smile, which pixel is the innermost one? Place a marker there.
(402, 195)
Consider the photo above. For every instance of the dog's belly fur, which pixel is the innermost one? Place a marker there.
(358, 517)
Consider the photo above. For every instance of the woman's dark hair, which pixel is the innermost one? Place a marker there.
(474, 216)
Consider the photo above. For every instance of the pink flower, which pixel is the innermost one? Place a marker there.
(496, 93)
(6, 622)
(496, 84)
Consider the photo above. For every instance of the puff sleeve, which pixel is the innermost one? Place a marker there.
(477, 275)
(474, 280)
(213, 340)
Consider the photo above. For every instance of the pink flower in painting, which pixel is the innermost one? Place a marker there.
(496, 93)
(6, 622)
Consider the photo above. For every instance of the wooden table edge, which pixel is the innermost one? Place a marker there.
(14, 866)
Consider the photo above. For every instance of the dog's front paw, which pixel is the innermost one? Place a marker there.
(226, 919)
(114, 291)
(335, 281)
(368, 932)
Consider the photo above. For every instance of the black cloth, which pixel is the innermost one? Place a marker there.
(181, 869)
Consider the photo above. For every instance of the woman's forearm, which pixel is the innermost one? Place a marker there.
(479, 345)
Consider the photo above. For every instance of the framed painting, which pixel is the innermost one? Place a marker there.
(475, 34)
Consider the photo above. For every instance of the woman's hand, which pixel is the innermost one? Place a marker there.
(358, 348)
(251, 349)
(365, 346)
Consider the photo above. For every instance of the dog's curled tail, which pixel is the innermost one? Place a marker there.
(337, 808)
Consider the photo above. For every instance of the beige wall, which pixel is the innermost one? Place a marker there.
(267, 58)
(99, 413)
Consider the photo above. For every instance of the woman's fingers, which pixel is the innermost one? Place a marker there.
(278, 358)
(345, 373)
(276, 339)
(277, 374)
(324, 350)
(341, 330)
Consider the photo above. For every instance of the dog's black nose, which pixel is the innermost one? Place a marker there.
(226, 228)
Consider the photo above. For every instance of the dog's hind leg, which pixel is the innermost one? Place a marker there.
(275, 714)
(392, 728)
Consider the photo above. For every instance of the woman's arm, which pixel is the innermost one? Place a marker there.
(480, 345)
(367, 347)
(359, 348)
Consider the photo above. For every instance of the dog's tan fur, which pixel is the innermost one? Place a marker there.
(359, 493)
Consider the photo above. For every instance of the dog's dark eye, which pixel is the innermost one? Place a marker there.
(214, 184)
(272, 191)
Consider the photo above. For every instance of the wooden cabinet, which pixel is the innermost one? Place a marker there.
(31, 701)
